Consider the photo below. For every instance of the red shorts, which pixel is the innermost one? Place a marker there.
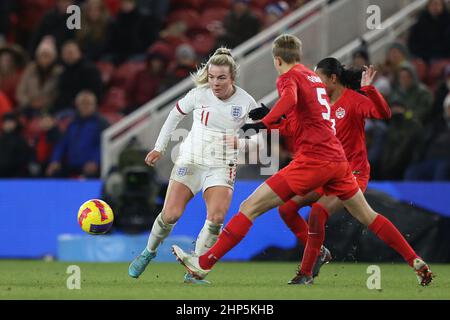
(305, 174)
(362, 179)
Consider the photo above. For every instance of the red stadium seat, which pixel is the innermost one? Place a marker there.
(260, 4)
(112, 117)
(164, 48)
(213, 14)
(113, 6)
(436, 70)
(115, 100)
(106, 71)
(218, 4)
(189, 16)
(260, 14)
(203, 44)
(126, 72)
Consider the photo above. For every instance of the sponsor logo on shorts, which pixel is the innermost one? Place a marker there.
(236, 112)
(340, 113)
(181, 171)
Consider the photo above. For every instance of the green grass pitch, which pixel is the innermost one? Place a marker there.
(249, 280)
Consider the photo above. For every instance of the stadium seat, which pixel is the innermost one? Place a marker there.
(218, 4)
(126, 72)
(213, 14)
(260, 4)
(421, 69)
(203, 44)
(113, 6)
(436, 70)
(114, 101)
(165, 48)
(189, 16)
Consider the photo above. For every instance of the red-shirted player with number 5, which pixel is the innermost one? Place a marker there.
(320, 161)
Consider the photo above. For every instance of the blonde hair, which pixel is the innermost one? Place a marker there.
(222, 57)
(288, 48)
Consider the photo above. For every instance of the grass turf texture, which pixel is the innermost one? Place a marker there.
(253, 280)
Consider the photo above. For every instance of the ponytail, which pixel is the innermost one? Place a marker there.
(349, 78)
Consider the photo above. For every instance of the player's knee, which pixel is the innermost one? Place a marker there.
(172, 214)
(217, 214)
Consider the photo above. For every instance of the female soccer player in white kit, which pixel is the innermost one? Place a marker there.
(207, 160)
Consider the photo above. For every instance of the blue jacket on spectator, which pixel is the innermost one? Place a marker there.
(81, 142)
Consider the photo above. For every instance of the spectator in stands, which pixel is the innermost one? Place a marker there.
(239, 25)
(133, 33)
(79, 74)
(15, 152)
(6, 7)
(12, 61)
(435, 163)
(401, 137)
(95, 36)
(360, 58)
(185, 64)
(375, 131)
(396, 55)
(441, 93)
(146, 84)
(54, 23)
(38, 86)
(274, 12)
(416, 97)
(78, 151)
(429, 38)
(5, 105)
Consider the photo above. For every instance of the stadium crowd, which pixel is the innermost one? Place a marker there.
(59, 88)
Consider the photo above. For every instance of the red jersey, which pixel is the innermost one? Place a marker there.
(305, 103)
(350, 112)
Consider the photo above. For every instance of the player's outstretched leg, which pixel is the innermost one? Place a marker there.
(160, 231)
(386, 231)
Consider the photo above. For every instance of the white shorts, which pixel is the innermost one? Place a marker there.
(197, 177)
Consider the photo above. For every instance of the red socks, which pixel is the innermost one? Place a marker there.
(317, 220)
(387, 232)
(231, 235)
(289, 213)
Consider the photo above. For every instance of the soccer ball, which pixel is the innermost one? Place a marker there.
(95, 216)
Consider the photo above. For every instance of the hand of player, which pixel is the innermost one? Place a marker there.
(368, 75)
(152, 157)
(254, 126)
(259, 113)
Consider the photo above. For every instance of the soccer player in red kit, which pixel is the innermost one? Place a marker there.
(319, 162)
(350, 109)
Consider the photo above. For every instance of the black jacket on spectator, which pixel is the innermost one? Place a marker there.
(239, 29)
(15, 155)
(82, 75)
(53, 24)
(133, 33)
(429, 38)
(401, 138)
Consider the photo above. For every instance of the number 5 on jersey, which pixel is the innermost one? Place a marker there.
(321, 92)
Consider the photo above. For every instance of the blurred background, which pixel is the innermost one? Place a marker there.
(80, 108)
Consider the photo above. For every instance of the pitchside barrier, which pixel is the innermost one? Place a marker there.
(39, 220)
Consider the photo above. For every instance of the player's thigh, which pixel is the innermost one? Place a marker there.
(217, 199)
(306, 200)
(360, 209)
(177, 196)
(260, 201)
(331, 203)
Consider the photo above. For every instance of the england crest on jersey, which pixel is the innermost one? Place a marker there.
(181, 171)
(236, 112)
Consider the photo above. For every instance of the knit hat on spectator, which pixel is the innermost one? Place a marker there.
(185, 51)
(47, 45)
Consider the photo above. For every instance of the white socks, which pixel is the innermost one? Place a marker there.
(207, 237)
(160, 231)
